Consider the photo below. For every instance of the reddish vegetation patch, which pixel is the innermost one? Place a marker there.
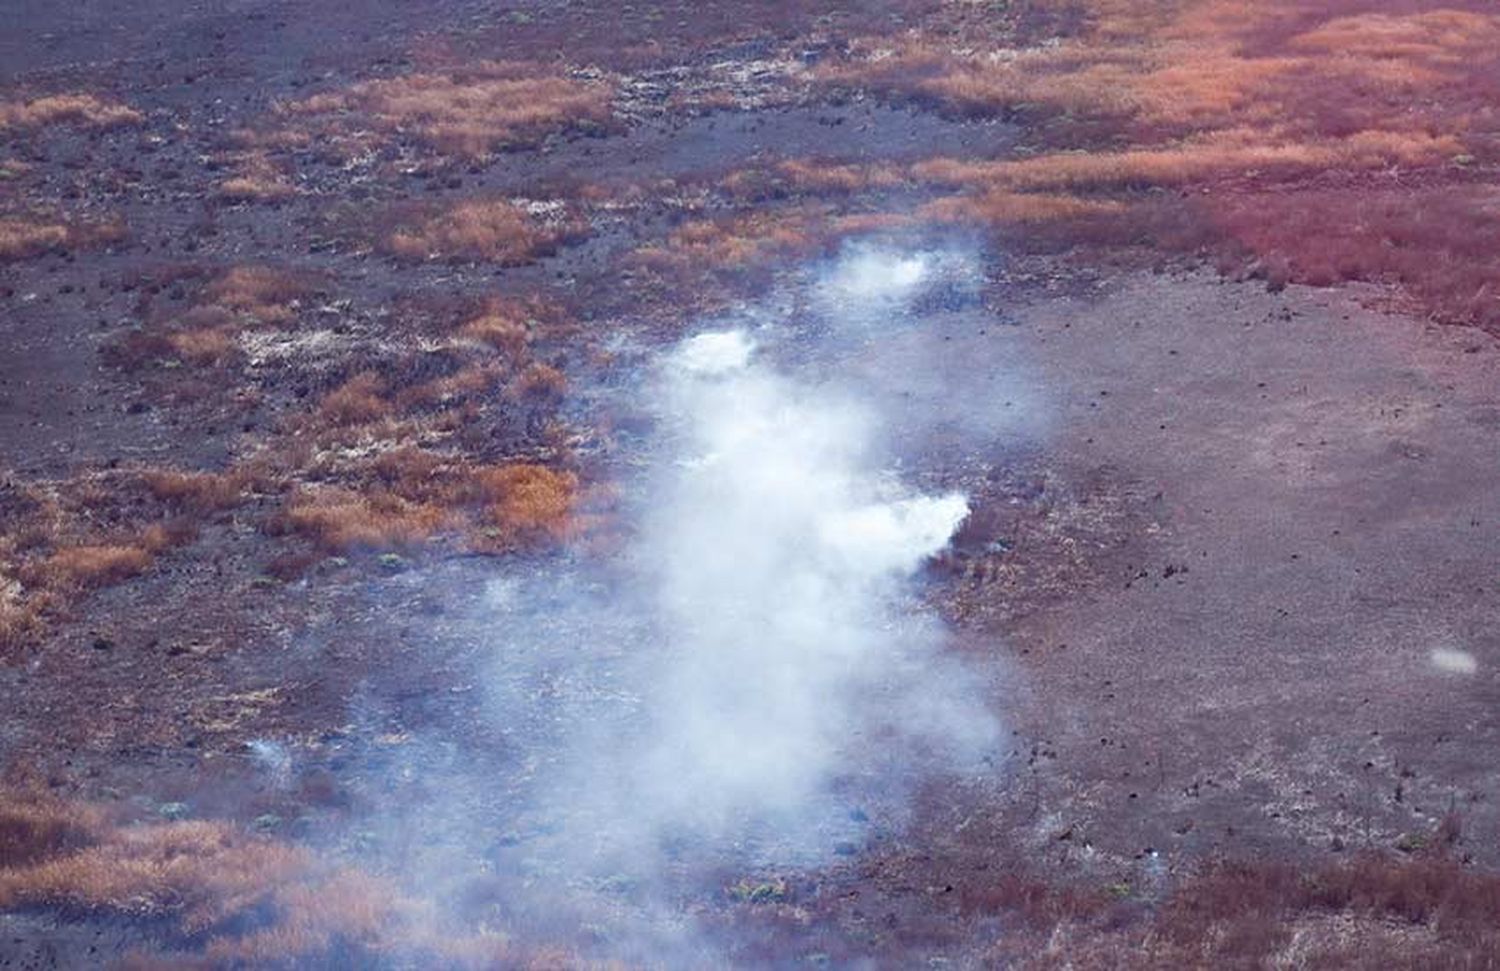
(224, 897)
(1439, 243)
(749, 241)
(85, 110)
(469, 112)
(494, 231)
(22, 237)
(1372, 911)
(1397, 104)
(61, 541)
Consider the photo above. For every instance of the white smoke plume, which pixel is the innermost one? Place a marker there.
(756, 684)
(779, 559)
(760, 679)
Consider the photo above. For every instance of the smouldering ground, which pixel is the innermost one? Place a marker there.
(327, 324)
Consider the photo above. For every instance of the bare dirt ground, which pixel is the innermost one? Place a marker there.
(1228, 580)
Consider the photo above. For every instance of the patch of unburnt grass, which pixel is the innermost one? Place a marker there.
(74, 108)
(218, 895)
(1254, 111)
(467, 112)
(500, 231)
(23, 236)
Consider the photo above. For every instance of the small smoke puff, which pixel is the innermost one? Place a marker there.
(874, 274)
(895, 537)
(778, 559)
(273, 758)
(715, 353)
(1453, 660)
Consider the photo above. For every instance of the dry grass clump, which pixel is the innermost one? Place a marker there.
(208, 332)
(61, 540)
(258, 294)
(1438, 244)
(1230, 154)
(357, 401)
(202, 492)
(200, 873)
(93, 566)
(997, 206)
(21, 621)
(250, 899)
(510, 325)
(89, 565)
(470, 113)
(468, 383)
(256, 179)
(22, 237)
(216, 896)
(745, 241)
(1182, 67)
(807, 176)
(412, 498)
(85, 110)
(494, 231)
(34, 828)
(343, 521)
(1373, 910)
(526, 504)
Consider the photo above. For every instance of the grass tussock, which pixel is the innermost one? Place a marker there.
(1373, 910)
(256, 179)
(484, 108)
(526, 504)
(412, 498)
(754, 240)
(60, 541)
(217, 896)
(1230, 154)
(24, 237)
(22, 622)
(208, 331)
(344, 521)
(84, 110)
(202, 492)
(493, 231)
(1437, 244)
(510, 325)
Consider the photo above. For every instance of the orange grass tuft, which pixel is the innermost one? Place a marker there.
(22, 237)
(469, 113)
(494, 231)
(526, 504)
(86, 110)
(342, 520)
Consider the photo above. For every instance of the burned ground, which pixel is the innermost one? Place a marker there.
(321, 319)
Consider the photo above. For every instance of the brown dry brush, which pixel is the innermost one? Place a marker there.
(78, 108)
(467, 112)
(329, 471)
(219, 896)
(208, 332)
(497, 231)
(59, 541)
(1425, 909)
(24, 236)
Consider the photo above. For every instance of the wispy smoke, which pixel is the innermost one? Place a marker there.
(760, 668)
(756, 683)
(777, 558)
